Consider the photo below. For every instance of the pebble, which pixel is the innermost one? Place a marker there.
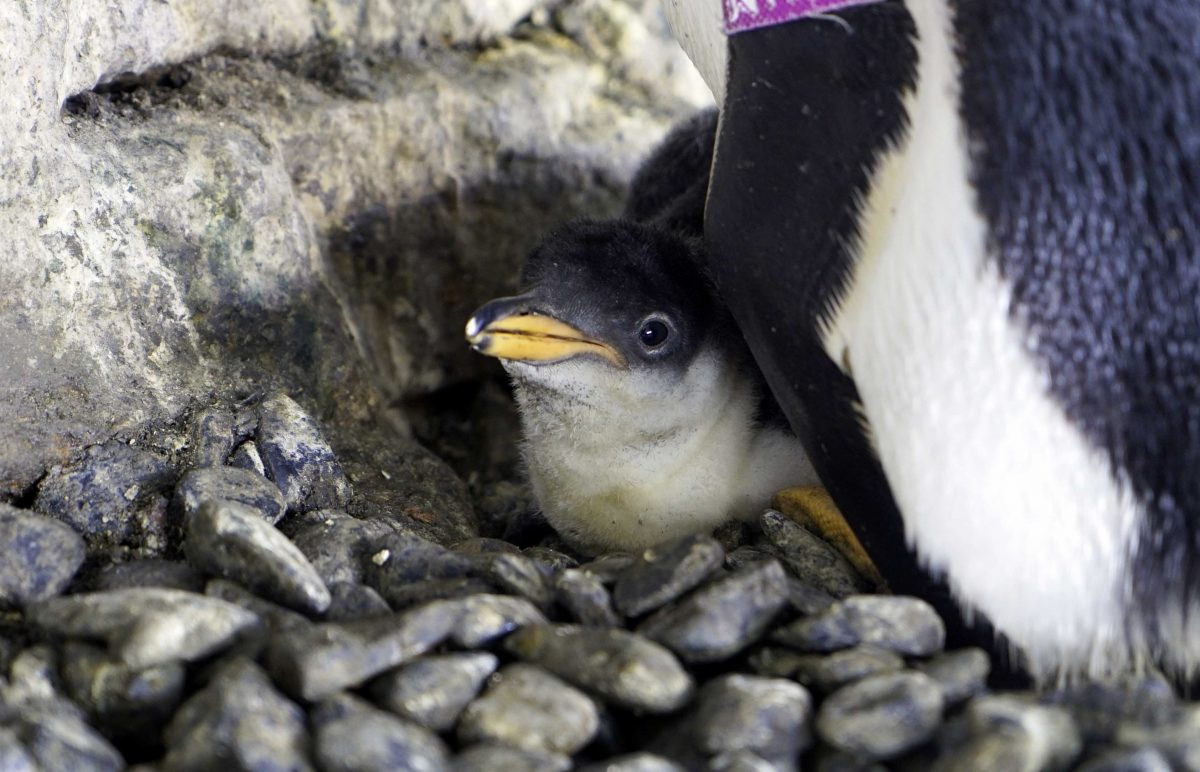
(829, 672)
(519, 575)
(882, 716)
(493, 757)
(635, 762)
(961, 674)
(146, 626)
(246, 456)
(1137, 760)
(433, 691)
(351, 735)
(109, 494)
(41, 556)
(227, 483)
(586, 598)
(277, 619)
(237, 722)
(741, 761)
(232, 540)
(149, 572)
(665, 572)
(1178, 740)
(1101, 711)
(57, 739)
(122, 701)
(212, 437)
(768, 717)
(905, 625)
(298, 458)
(401, 559)
(337, 545)
(323, 659)
(526, 707)
(608, 568)
(551, 558)
(485, 618)
(723, 617)
(809, 558)
(401, 596)
(619, 666)
(349, 600)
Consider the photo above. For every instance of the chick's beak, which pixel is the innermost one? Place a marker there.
(509, 328)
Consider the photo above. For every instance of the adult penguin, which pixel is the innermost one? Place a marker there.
(963, 242)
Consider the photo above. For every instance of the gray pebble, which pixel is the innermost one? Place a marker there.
(607, 568)
(57, 739)
(326, 658)
(337, 545)
(482, 545)
(433, 690)
(1178, 740)
(122, 701)
(402, 596)
(807, 599)
(298, 458)
(351, 601)
(232, 540)
(810, 558)
(401, 559)
(146, 626)
(41, 555)
(13, 755)
(776, 662)
(585, 598)
(493, 757)
(555, 560)
(526, 707)
(518, 575)
(722, 618)
(902, 624)
(212, 437)
(110, 494)
(621, 667)
(227, 483)
(1136, 760)
(882, 716)
(665, 572)
(149, 572)
(277, 618)
(352, 736)
(961, 674)
(237, 722)
(829, 672)
(635, 762)
(246, 456)
(1010, 732)
(768, 717)
(742, 761)
(485, 618)
(1101, 710)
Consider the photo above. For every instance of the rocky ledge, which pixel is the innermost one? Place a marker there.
(233, 593)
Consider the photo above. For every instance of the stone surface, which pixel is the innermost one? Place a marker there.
(297, 456)
(882, 716)
(486, 618)
(768, 717)
(621, 667)
(149, 572)
(635, 762)
(350, 735)
(124, 702)
(829, 672)
(722, 618)
(232, 540)
(961, 674)
(432, 691)
(585, 598)
(493, 757)
(905, 625)
(146, 626)
(664, 572)
(336, 544)
(239, 721)
(350, 601)
(231, 484)
(809, 558)
(1009, 732)
(41, 555)
(526, 707)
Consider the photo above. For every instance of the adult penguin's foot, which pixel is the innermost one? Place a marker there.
(812, 507)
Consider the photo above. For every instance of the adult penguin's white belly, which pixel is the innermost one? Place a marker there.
(1010, 287)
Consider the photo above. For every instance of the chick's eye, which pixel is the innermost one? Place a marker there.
(654, 333)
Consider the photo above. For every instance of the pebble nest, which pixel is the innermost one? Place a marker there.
(229, 612)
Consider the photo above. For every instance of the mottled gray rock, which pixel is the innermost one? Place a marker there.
(351, 601)
(722, 618)
(486, 618)
(232, 540)
(828, 672)
(146, 626)
(882, 716)
(776, 661)
(41, 555)
(230, 484)
(13, 756)
(809, 558)
(768, 717)
(350, 735)
(1101, 710)
(807, 599)
(741, 761)
(401, 596)
(902, 624)
(337, 544)
(482, 545)
(635, 762)
(666, 571)
(120, 700)
(620, 667)
(1013, 732)
(492, 757)
(149, 572)
(277, 619)
(518, 575)
(585, 597)
(433, 690)
(1178, 740)
(57, 739)
(402, 559)
(961, 674)
(608, 568)
(526, 707)
(552, 558)
(298, 458)
(238, 722)
(113, 493)
(246, 456)
(212, 437)
(326, 658)
(1138, 760)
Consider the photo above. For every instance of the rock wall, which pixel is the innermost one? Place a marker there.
(208, 199)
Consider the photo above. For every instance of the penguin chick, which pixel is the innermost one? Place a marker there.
(637, 395)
